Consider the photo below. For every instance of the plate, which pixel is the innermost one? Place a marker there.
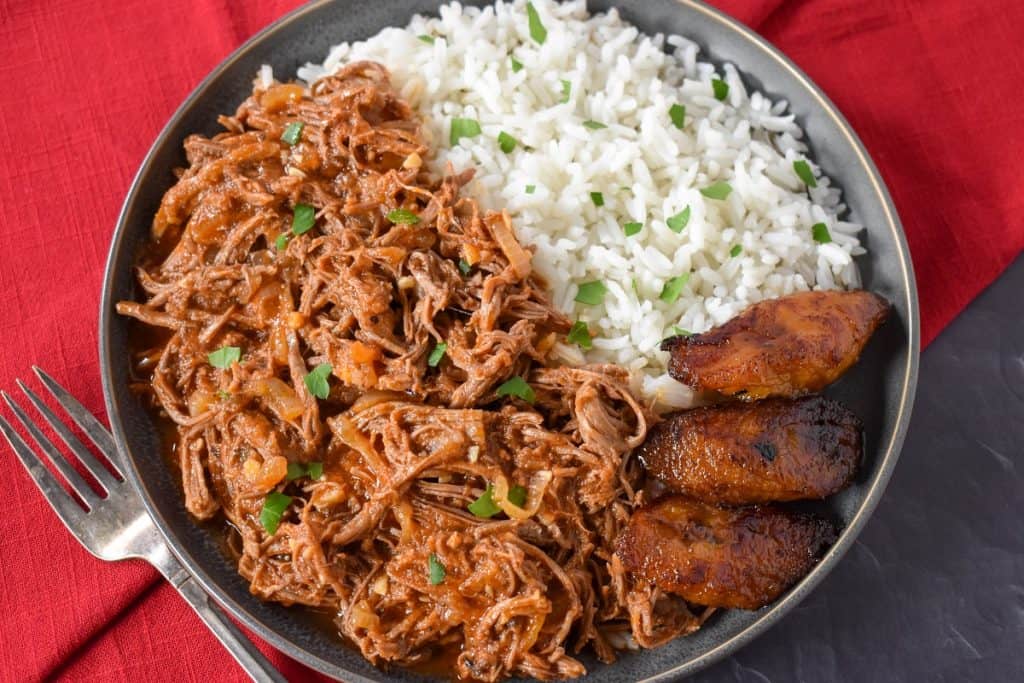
(880, 389)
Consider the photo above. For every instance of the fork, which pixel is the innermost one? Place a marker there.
(115, 526)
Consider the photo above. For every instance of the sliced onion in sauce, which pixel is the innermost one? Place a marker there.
(534, 495)
(280, 397)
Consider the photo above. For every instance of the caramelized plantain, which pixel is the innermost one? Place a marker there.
(743, 453)
(721, 557)
(790, 346)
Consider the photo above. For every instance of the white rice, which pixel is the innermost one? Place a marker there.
(646, 169)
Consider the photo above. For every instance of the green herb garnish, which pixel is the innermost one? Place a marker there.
(517, 66)
(721, 89)
(719, 190)
(677, 113)
(223, 395)
(316, 380)
(804, 172)
(530, 189)
(429, 40)
(463, 128)
(632, 228)
(517, 495)
(580, 334)
(293, 132)
(437, 570)
(484, 506)
(537, 30)
(820, 233)
(735, 251)
(295, 470)
(303, 218)
(591, 293)
(281, 243)
(673, 288)
(678, 222)
(597, 198)
(273, 508)
(403, 216)
(224, 356)
(437, 354)
(464, 266)
(566, 91)
(680, 332)
(517, 387)
(593, 125)
(506, 142)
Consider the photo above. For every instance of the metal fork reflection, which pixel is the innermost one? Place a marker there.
(113, 526)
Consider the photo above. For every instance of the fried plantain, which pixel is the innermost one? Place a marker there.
(743, 453)
(721, 557)
(790, 346)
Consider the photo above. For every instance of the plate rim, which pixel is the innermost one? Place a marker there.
(889, 454)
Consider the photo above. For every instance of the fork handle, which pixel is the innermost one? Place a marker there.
(231, 637)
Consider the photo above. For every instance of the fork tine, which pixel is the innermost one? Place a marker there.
(93, 428)
(107, 482)
(64, 505)
(73, 478)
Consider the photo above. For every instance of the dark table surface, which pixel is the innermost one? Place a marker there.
(933, 590)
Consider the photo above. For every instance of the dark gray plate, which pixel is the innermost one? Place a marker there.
(880, 389)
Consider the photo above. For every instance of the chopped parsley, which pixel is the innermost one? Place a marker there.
(537, 30)
(593, 125)
(437, 354)
(316, 380)
(632, 228)
(224, 356)
(429, 40)
(566, 91)
(293, 132)
(436, 569)
(297, 470)
(530, 189)
(484, 506)
(464, 266)
(597, 198)
(303, 218)
(403, 216)
(517, 495)
(804, 172)
(506, 142)
(680, 332)
(720, 88)
(677, 113)
(517, 387)
(517, 66)
(719, 190)
(463, 128)
(820, 233)
(580, 335)
(591, 293)
(673, 288)
(735, 251)
(678, 222)
(273, 509)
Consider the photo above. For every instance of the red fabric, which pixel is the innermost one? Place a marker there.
(930, 85)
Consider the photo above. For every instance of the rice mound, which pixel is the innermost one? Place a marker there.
(755, 244)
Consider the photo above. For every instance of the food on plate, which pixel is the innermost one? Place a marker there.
(743, 453)
(403, 335)
(353, 363)
(659, 191)
(722, 557)
(788, 346)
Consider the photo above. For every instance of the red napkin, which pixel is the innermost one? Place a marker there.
(930, 85)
